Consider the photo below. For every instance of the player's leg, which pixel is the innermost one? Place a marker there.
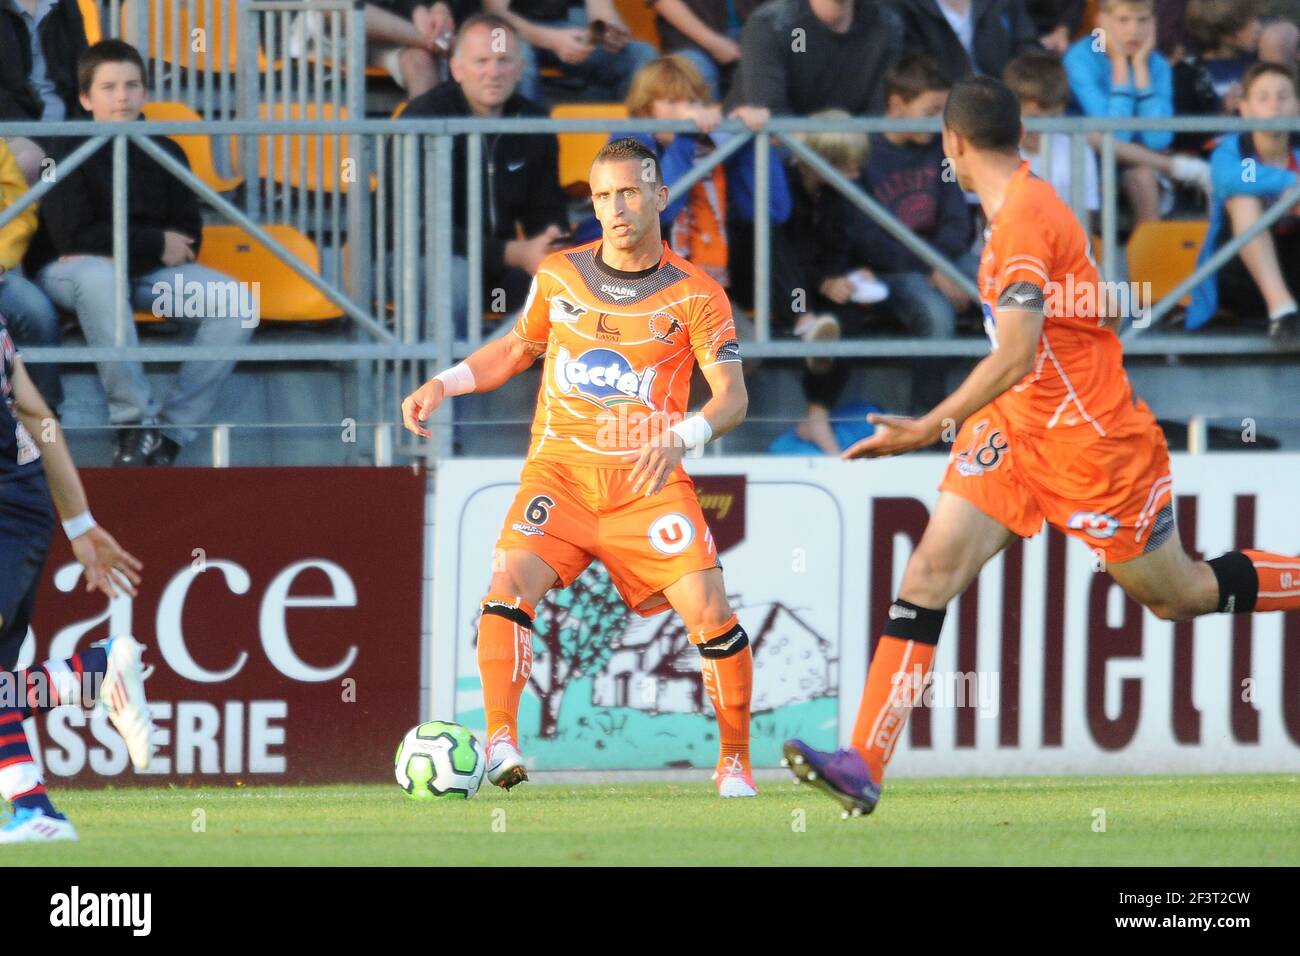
(541, 546)
(1176, 588)
(727, 666)
(505, 654)
(958, 540)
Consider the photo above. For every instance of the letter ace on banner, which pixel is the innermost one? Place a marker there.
(280, 610)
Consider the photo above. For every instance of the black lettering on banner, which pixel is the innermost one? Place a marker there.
(538, 510)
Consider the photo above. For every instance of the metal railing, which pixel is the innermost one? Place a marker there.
(400, 329)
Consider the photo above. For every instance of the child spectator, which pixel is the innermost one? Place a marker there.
(40, 41)
(71, 259)
(905, 175)
(1251, 170)
(695, 224)
(1225, 35)
(29, 314)
(1118, 73)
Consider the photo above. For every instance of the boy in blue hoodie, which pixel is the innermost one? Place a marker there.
(1116, 71)
(1249, 172)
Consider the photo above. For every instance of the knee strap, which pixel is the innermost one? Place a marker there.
(511, 608)
(732, 642)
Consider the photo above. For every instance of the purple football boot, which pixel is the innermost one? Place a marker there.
(842, 775)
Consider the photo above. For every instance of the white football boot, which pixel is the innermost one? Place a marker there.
(505, 766)
(733, 779)
(122, 694)
(33, 826)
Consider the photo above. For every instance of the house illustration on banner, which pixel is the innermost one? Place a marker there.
(655, 668)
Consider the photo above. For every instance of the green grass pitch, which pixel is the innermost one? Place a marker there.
(1177, 821)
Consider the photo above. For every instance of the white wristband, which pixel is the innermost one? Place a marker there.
(78, 525)
(695, 432)
(457, 380)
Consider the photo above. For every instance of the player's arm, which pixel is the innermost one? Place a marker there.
(107, 567)
(724, 410)
(1013, 359)
(489, 367)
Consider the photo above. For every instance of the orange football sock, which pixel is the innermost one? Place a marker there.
(505, 659)
(894, 684)
(729, 680)
(1279, 580)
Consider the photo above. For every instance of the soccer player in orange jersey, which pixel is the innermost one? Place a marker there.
(1051, 431)
(622, 322)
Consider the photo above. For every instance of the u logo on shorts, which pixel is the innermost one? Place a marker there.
(671, 533)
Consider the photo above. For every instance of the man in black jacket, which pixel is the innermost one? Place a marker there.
(521, 181)
(71, 259)
(968, 36)
(801, 56)
(39, 81)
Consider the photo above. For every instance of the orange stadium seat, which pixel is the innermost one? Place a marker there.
(323, 152)
(577, 150)
(1164, 254)
(198, 149)
(284, 295)
(642, 19)
(169, 34)
(91, 20)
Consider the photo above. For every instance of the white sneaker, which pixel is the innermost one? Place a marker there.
(733, 780)
(122, 695)
(818, 327)
(33, 826)
(505, 766)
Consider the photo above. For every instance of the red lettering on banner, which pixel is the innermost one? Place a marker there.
(1291, 674)
(1186, 718)
(1106, 643)
(1054, 641)
(267, 613)
(1243, 716)
(1013, 570)
(968, 623)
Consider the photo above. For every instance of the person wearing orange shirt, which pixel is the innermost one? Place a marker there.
(621, 322)
(1050, 431)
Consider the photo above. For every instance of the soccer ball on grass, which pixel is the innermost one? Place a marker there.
(440, 760)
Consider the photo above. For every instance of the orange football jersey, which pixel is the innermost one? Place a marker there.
(620, 349)
(1078, 380)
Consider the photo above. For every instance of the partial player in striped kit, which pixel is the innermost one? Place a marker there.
(34, 466)
(621, 322)
(1051, 431)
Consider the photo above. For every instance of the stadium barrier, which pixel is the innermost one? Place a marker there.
(395, 178)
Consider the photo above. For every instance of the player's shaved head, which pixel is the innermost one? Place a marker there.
(631, 150)
(985, 113)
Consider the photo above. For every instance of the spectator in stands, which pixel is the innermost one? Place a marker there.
(410, 39)
(706, 32)
(801, 56)
(586, 41)
(968, 36)
(1040, 83)
(521, 180)
(812, 266)
(904, 173)
(1118, 73)
(1225, 35)
(1251, 170)
(40, 41)
(1279, 42)
(1056, 22)
(27, 310)
(71, 259)
(695, 224)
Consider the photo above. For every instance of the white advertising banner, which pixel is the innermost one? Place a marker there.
(1044, 665)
